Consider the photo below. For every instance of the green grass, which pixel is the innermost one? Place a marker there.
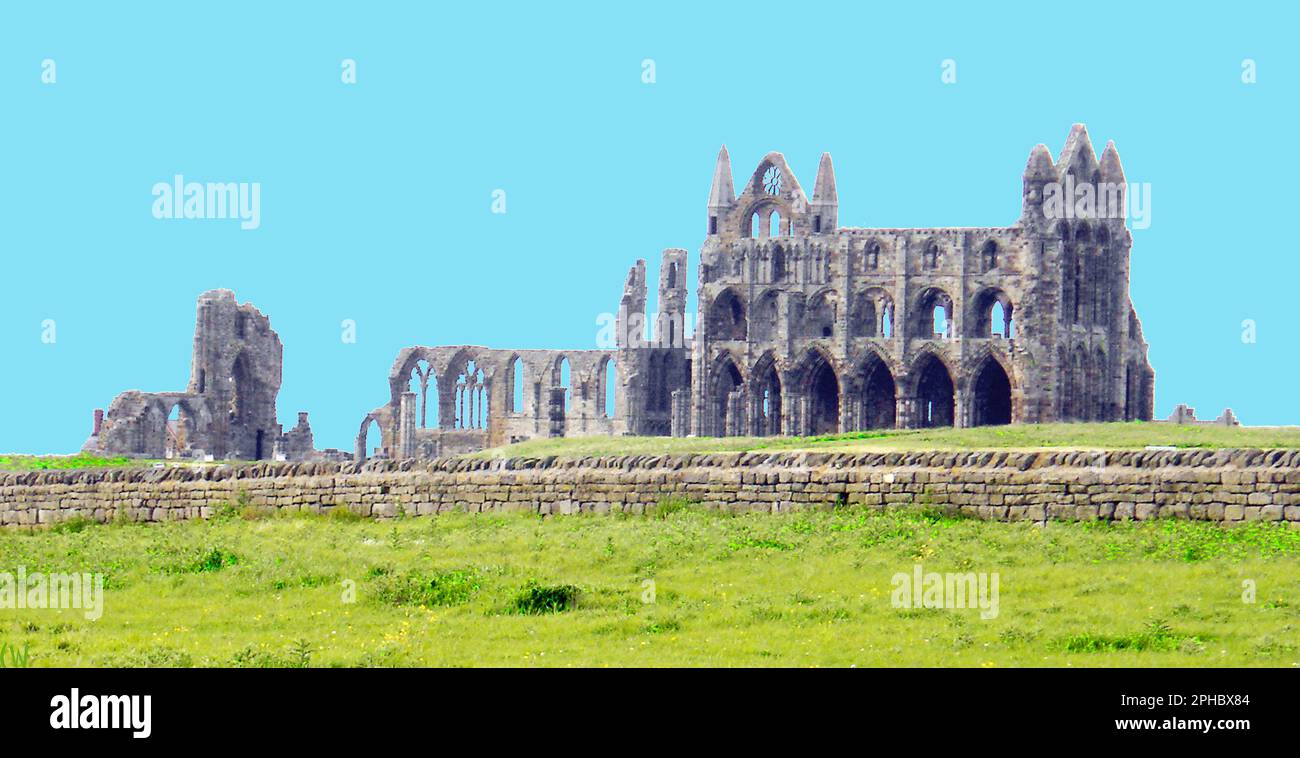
(681, 586)
(80, 460)
(1111, 436)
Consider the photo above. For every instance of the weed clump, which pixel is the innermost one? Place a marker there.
(428, 590)
(535, 599)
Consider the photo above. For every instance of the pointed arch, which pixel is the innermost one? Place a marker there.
(934, 391)
(765, 397)
(819, 384)
(515, 379)
(767, 313)
(607, 391)
(727, 318)
(990, 393)
(991, 314)
(821, 314)
(878, 393)
(934, 314)
(726, 385)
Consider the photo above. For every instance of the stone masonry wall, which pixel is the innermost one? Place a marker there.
(1222, 485)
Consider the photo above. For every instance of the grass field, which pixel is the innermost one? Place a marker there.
(1113, 436)
(801, 589)
(80, 460)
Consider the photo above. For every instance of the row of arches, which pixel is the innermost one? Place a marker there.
(780, 262)
(470, 397)
(812, 398)
(770, 262)
(872, 314)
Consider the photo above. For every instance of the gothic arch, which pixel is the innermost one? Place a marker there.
(818, 383)
(727, 317)
(878, 393)
(821, 314)
(935, 392)
(924, 321)
(767, 312)
(725, 378)
(988, 303)
(990, 388)
(765, 396)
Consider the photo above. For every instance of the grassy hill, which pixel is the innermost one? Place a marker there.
(679, 587)
(1111, 436)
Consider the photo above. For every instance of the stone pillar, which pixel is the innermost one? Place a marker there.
(735, 413)
(99, 422)
(905, 412)
(555, 412)
(406, 426)
(681, 409)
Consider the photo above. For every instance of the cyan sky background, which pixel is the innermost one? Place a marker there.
(376, 197)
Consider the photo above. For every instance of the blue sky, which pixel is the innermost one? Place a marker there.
(376, 197)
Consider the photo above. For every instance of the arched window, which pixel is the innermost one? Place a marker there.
(517, 385)
(774, 224)
(934, 315)
(932, 255)
(727, 317)
(471, 398)
(821, 315)
(562, 379)
(753, 225)
(609, 380)
(367, 438)
(421, 381)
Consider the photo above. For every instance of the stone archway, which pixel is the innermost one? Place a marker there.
(879, 395)
(935, 395)
(990, 395)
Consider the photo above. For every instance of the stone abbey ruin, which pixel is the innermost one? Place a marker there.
(228, 410)
(803, 327)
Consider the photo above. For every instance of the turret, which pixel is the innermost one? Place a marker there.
(826, 202)
(670, 325)
(1111, 201)
(1039, 172)
(630, 322)
(722, 196)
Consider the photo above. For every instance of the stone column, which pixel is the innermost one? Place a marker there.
(681, 410)
(406, 426)
(555, 412)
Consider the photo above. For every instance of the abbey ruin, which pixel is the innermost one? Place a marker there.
(804, 327)
(809, 327)
(228, 409)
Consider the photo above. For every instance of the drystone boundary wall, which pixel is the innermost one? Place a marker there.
(1214, 485)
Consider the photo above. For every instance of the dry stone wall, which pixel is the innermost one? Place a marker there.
(1222, 485)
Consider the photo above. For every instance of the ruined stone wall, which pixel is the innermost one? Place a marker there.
(228, 409)
(1226, 486)
(809, 327)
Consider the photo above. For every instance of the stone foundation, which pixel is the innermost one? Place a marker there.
(1222, 485)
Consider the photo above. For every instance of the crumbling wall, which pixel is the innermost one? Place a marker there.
(463, 398)
(227, 411)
